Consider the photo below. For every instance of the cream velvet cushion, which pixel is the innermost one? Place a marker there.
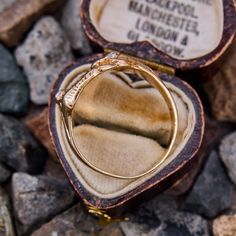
(123, 127)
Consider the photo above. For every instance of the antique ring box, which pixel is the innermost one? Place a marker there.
(122, 124)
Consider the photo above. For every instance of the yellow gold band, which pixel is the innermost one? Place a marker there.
(114, 62)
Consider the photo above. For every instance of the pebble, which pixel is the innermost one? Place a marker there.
(17, 16)
(221, 89)
(6, 225)
(174, 223)
(212, 191)
(74, 221)
(14, 92)
(37, 123)
(18, 148)
(225, 226)
(44, 53)
(72, 25)
(36, 199)
(159, 217)
(113, 229)
(4, 174)
(228, 155)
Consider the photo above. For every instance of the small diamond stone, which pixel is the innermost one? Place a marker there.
(113, 55)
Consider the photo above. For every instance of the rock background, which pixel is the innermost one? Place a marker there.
(35, 196)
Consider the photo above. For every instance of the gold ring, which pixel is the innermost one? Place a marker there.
(114, 61)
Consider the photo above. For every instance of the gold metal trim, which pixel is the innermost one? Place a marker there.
(104, 218)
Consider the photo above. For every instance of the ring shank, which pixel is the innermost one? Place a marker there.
(125, 65)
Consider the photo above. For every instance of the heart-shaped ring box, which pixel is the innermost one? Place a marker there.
(122, 124)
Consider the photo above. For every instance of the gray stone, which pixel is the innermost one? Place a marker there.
(212, 191)
(43, 55)
(6, 226)
(72, 25)
(221, 88)
(175, 223)
(113, 229)
(228, 154)
(18, 148)
(157, 217)
(74, 221)
(160, 217)
(77, 222)
(4, 173)
(14, 94)
(37, 199)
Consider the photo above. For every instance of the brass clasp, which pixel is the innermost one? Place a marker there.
(104, 218)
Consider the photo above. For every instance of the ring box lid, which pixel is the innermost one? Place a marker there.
(181, 34)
